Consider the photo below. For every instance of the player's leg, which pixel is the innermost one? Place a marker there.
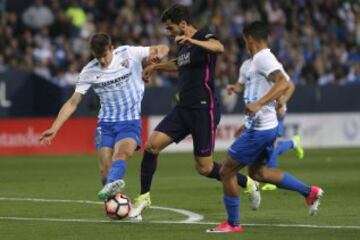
(284, 180)
(156, 143)
(202, 124)
(104, 141)
(104, 155)
(170, 129)
(272, 163)
(229, 171)
(123, 150)
(127, 137)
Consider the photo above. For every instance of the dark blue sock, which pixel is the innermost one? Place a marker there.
(117, 171)
(291, 183)
(284, 146)
(232, 209)
(103, 181)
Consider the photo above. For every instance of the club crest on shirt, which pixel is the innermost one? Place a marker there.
(125, 63)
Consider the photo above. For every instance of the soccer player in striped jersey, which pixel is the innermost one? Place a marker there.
(116, 77)
(265, 82)
(196, 112)
(281, 145)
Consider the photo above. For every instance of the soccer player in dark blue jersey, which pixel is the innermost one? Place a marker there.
(197, 111)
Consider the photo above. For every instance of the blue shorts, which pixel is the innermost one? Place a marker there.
(281, 126)
(109, 133)
(253, 146)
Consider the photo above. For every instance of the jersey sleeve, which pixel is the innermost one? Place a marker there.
(139, 53)
(267, 63)
(82, 86)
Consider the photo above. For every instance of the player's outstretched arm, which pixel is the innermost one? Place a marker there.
(65, 112)
(168, 66)
(211, 45)
(278, 89)
(158, 52)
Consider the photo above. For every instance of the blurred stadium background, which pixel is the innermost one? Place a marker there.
(43, 46)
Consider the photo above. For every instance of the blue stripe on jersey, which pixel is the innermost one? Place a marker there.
(133, 100)
(117, 106)
(126, 107)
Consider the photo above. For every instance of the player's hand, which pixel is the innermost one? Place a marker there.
(153, 60)
(148, 72)
(252, 108)
(231, 88)
(239, 131)
(184, 40)
(280, 108)
(281, 111)
(47, 136)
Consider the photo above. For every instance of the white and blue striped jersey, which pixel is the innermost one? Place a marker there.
(254, 74)
(119, 86)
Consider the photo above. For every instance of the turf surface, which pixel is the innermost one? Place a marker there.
(176, 185)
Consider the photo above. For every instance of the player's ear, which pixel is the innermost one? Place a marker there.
(182, 24)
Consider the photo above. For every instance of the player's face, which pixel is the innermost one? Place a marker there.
(174, 29)
(105, 58)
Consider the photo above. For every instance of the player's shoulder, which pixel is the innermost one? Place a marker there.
(89, 69)
(121, 50)
(264, 56)
(245, 63)
(206, 33)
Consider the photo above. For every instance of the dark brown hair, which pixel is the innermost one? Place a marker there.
(99, 43)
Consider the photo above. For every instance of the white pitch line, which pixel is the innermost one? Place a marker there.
(191, 216)
(174, 222)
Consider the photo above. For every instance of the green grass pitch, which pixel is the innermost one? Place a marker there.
(176, 185)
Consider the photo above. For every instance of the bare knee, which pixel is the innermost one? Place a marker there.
(123, 155)
(260, 175)
(203, 169)
(152, 147)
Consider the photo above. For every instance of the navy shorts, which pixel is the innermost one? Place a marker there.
(200, 123)
(253, 146)
(109, 133)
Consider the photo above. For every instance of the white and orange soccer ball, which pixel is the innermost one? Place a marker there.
(118, 206)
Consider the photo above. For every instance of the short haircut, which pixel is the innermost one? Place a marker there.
(176, 13)
(99, 43)
(258, 30)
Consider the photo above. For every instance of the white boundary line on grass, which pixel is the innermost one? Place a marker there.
(192, 218)
(176, 222)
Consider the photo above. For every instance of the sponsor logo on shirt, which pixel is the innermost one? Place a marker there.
(183, 59)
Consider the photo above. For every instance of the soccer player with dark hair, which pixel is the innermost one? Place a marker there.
(264, 82)
(116, 77)
(197, 111)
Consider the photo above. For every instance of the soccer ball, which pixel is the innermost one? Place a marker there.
(118, 206)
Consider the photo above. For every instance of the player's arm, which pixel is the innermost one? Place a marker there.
(235, 88)
(288, 93)
(167, 66)
(158, 51)
(278, 89)
(65, 112)
(283, 99)
(212, 45)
